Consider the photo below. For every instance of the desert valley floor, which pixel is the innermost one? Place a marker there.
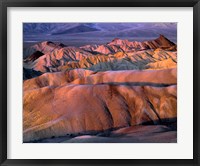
(122, 91)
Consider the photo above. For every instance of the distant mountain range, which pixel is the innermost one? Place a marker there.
(71, 31)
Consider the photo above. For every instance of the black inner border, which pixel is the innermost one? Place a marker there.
(4, 4)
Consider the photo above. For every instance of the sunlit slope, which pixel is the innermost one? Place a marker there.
(57, 108)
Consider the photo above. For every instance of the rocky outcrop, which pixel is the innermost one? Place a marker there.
(44, 47)
(125, 45)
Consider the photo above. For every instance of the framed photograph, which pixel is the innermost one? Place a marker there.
(100, 82)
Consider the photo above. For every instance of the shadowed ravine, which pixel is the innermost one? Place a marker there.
(165, 131)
